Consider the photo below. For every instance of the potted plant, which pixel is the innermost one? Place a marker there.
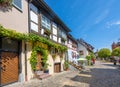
(45, 67)
(63, 39)
(66, 65)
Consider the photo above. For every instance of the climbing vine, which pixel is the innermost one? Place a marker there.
(40, 44)
(43, 42)
(33, 58)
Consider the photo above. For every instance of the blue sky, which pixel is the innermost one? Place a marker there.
(96, 21)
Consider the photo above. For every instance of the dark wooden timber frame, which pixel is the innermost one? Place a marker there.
(47, 12)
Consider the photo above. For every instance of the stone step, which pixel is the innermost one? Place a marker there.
(75, 66)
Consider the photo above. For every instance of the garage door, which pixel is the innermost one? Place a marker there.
(8, 61)
(9, 72)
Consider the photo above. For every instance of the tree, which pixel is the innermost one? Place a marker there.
(104, 53)
(116, 52)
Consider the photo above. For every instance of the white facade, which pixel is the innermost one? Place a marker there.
(72, 52)
(84, 49)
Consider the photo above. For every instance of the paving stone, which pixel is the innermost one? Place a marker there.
(102, 74)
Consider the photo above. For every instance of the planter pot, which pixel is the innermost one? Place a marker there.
(66, 69)
(46, 71)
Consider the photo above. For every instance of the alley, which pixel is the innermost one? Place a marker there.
(100, 75)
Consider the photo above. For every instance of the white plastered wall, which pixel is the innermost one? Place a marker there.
(52, 62)
(30, 74)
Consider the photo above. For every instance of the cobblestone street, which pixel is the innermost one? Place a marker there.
(99, 75)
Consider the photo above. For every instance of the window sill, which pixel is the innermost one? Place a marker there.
(20, 9)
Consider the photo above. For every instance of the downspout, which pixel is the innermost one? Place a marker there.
(0, 70)
(29, 30)
(25, 46)
(0, 63)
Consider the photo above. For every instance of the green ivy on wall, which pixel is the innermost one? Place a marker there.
(33, 58)
(40, 44)
(31, 38)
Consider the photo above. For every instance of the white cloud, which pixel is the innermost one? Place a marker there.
(113, 23)
(102, 16)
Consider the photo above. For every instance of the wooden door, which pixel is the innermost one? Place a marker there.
(9, 71)
(57, 67)
(39, 61)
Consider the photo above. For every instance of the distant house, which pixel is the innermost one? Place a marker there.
(84, 48)
(114, 45)
(72, 49)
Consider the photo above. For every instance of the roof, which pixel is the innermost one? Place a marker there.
(87, 45)
(72, 38)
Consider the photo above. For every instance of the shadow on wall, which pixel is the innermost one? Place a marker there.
(5, 9)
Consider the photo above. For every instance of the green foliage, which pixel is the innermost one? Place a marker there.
(6, 3)
(33, 58)
(92, 55)
(48, 31)
(104, 53)
(54, 56)
(12, 34)
(40, 44)
(31, 38)
(63, 39)
(116, 52)
(88, 57)
(66, 65)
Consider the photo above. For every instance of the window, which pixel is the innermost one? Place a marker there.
(18, 4)
(81, 52)
(34, 8)
(33, 18)
(62, 34)
(54, 38)
(8, 44)
(34, 27)
(46, 22)
(54, 27)
(53, 51)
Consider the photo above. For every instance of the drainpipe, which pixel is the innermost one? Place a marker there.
(0, 70)
(0, 62)
(25, 48)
